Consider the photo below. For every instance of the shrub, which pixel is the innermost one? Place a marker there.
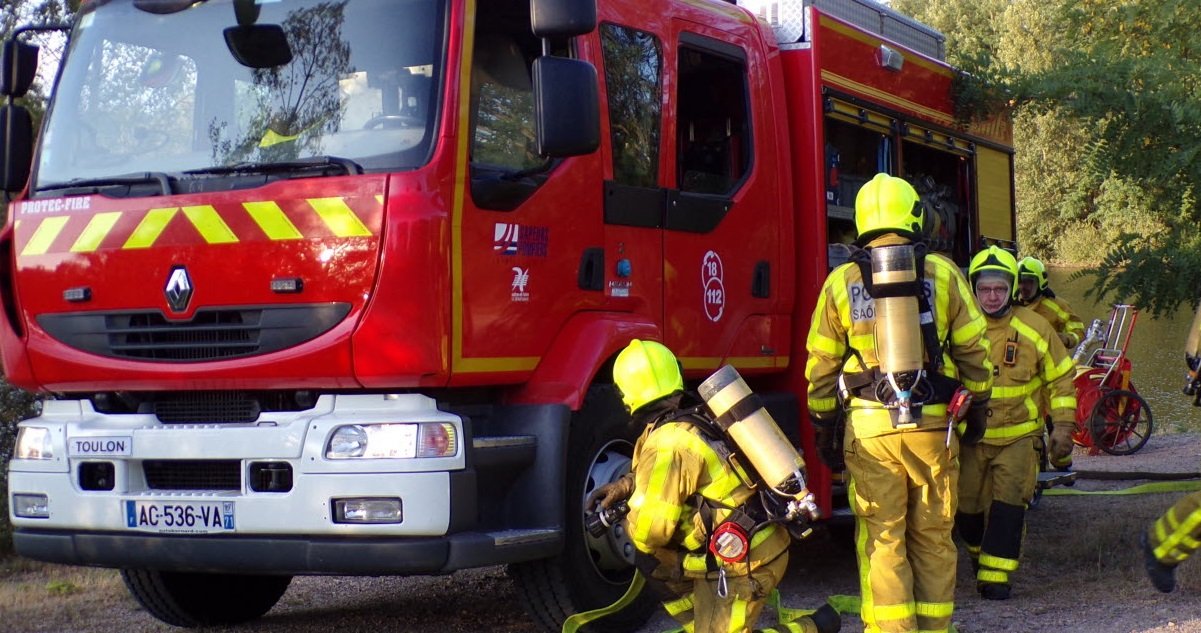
(15, 405)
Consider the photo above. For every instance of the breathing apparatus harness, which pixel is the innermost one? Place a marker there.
(926, 385)
(729, 540)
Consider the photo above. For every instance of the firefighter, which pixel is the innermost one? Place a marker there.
(1171, 540)
(1034, 292)
(681, 493)
(898, 450)
(1000, 473)
(1177, 533)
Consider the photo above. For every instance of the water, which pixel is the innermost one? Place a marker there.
(1156, 354)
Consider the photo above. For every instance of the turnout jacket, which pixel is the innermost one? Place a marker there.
(1057, 312)
(842, 339)
(1036, 367)
(673, 463)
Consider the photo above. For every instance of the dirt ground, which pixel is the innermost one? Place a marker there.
(1081, 573)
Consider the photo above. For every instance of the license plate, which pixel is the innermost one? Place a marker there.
(182, 517)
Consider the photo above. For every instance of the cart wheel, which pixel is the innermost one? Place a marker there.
(1121, 422)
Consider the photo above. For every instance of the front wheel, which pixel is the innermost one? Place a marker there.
(591, 572)
(192, 600)
(1121, 422)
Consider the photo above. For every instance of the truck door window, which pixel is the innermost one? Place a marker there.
(503, 103)
(505, 166)
(633, 80)
(713, 133)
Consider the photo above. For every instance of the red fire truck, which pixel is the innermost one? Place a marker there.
(328, 287)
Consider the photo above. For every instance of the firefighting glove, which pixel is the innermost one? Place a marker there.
(611, 493)
(826, 428)
(1069, 341)
(828, 449)
(1061, 442)
(975, 422)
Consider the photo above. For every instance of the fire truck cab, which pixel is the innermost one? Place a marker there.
(326, 287)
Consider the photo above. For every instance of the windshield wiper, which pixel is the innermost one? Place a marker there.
(82, 186)
(349, 166)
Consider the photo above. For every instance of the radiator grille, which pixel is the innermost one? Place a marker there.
(210, 474)
(211, 334)
(205, 407)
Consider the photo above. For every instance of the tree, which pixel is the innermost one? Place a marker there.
(17, 404)
(1107, 102)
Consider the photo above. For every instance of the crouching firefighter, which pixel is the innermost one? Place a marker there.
(715, 494)
(1000, 473)
(890, 330)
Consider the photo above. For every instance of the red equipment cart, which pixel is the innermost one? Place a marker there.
(1110, 415)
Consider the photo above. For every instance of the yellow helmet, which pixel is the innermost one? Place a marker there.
(888, 204)
(644, 372)
(995, 259)
(1031, 267)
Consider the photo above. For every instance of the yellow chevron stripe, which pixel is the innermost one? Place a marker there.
(95, 232)
(272, 220)
(212, 228)
(150, 227)
(44, 235)
(339, 218)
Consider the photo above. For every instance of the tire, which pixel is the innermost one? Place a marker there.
(590, 573)
(194, 600)
(1121, 422)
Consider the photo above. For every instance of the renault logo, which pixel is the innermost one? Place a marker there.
(179, 289)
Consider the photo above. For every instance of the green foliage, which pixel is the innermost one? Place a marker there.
(1107, 131)
(16, 404)
(61, 587)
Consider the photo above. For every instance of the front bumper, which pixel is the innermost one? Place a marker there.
(292, 531)
(343, 556)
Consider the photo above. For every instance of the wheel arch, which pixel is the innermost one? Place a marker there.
(574, 360)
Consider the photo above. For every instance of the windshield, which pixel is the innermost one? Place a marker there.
(169, 86)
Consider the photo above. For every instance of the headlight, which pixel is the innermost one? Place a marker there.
(33, 442)
(347, 442)
(29, 506)
(393, 441)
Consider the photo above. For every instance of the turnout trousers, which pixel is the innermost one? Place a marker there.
(698, 608)
(903, 487)
(996, 484)
(1177, 533)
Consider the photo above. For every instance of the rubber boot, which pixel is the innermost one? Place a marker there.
(827, 619)
(824, 620)
(994, 590)
(1162, 576)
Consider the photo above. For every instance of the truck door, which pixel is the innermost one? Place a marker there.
(634, 197)
(724, 216)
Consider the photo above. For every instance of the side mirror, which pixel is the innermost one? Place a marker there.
(566, 107)
(16, 147)
(18, 65)
(562, 18)
(258, 45)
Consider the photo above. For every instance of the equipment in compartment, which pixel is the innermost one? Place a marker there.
(942, 212)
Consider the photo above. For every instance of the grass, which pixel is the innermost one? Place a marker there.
(31, 588)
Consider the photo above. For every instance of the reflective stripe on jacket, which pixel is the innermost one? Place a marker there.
(672, 463)
(844, 320)
(1041, 368)
(1059, 314)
